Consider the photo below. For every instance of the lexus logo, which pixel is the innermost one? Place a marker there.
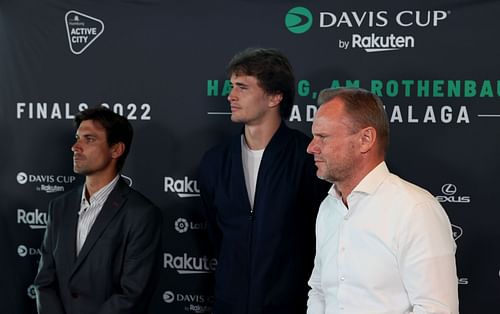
(449, 189)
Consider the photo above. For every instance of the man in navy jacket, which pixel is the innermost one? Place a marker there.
(261, 194)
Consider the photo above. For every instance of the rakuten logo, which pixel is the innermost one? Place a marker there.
(33, 218)
(189, 265)
(183, 187)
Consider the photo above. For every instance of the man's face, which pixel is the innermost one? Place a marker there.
(249, 102)
(91, 152)
(335, 145)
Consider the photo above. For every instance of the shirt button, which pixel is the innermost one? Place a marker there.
(342, 278)
(75, 295)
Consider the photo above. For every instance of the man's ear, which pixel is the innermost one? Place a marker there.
(117, 150)
(275, 99)
(367, 139)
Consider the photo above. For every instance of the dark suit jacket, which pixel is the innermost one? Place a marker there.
(265, 258)
(117, 265)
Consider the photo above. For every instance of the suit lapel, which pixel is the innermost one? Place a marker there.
(110, 208)
(70, 219)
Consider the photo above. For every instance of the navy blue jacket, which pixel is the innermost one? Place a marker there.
(265, 257)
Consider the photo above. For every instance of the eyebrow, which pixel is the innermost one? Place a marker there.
(239, 84)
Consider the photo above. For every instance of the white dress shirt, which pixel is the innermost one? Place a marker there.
(89, 210)
(391, 252)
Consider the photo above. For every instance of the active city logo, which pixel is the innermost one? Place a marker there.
(49, 183)
(299, 20)
(186, 264)
(450, 190)
(23, 251)
(457, 231)
(198, 303)
(82, 30)
(182, 225)
(35, 219)
(183, 187)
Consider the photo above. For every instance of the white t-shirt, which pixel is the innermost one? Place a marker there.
(251, 162)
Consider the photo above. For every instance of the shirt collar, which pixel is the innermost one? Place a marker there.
(101, 195)
(369, 183)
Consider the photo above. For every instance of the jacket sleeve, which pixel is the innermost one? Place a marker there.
(140, 265)
(47, 298)
(207, 188)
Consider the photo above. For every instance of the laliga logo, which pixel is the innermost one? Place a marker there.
(181, 225)
(31, 292)
(449, 190)
(82, 30)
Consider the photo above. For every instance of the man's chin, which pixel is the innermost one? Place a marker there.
(80, 171)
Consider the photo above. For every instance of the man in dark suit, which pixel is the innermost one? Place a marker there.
(100, 252)
(261, 194)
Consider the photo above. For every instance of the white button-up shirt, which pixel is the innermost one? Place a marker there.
(391, 252)
(89, 210)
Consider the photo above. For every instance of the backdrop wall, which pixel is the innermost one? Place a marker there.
(162, 64)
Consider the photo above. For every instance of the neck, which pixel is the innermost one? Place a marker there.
(345, 187)
(94, 183)
(258, 136)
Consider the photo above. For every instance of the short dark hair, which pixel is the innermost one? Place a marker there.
(118, 128)
(273, 71)
(364, 109)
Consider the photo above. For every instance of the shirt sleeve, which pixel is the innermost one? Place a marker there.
(427, 260)
(316, 298)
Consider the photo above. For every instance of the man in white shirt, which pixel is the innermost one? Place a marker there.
(383, 245)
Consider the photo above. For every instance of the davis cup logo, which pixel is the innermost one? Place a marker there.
(82, 30)
(22, 178)
(298, 20)
(168, 297)
(22, 250)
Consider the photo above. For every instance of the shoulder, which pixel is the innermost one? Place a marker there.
(412, 192)
(73, 194)
(290, 138)
(219, 155)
